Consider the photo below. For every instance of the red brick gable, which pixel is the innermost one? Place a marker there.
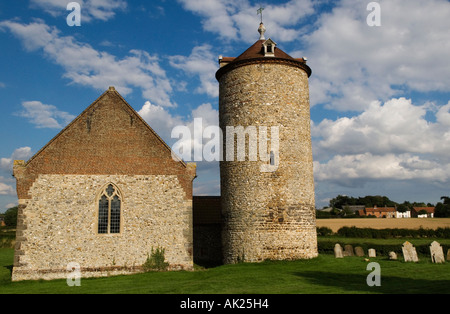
(108, 138)
(429, 210)
(378, 211)
(381, 209)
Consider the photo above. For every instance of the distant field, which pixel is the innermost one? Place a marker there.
(384, 223)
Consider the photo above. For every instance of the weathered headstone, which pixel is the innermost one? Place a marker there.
(392, 256)
(372, 253)
(409, 252)
(448, 255)
(437, 254)
(338, 251)
(348, 250)
(359, 251)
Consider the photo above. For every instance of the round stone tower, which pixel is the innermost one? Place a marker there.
(267, 183)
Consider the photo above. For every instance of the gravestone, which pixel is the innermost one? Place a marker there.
(359, 251)
(338, 251)
(448, 255)
(409, 252)
(372, 253)
(437, 254)
(392, 256)
(348, 250)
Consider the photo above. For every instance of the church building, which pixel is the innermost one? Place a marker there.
(107, 190)
(102, 194)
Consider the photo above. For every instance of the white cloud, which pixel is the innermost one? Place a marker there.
(160, 120)
(393, 141)
(23, 153)
(392, 144)
(163, 122)
(354, 64)
(217, 14)
(6, 168)
(356, 170)
(237, 19)
(11, 205)
(209, 115)
(443, 115)
(86, 66)
(6, 189)
(90, 9)
(397, 126)
(202, 63)
(45, 116)
(207, 187)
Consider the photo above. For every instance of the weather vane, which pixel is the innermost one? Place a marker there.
(260, 11)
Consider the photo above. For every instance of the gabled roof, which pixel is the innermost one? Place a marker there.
(380, 209)
(127, 105)
(107, 138)
(429, 210)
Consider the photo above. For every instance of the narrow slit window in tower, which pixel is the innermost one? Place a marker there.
(272, 158)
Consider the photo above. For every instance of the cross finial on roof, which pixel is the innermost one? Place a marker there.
(261, 29)
(260, 11)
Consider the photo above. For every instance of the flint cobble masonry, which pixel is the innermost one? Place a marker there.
(268, 215)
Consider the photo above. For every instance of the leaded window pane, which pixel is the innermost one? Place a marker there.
(103, 209)
(115, 215)
(110, 190)
(109, 208)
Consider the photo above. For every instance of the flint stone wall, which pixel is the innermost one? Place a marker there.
(58, 190)
(59, 226)
(268, 215)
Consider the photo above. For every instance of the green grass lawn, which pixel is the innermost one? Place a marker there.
(323, 275)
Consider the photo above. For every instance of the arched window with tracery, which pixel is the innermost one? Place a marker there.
(109, 210)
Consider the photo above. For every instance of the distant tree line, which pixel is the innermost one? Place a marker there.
(10, 217)
(341, 203)
(442, 209)
(370, 201)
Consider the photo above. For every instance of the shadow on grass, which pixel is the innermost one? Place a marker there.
(10, 268)
(351, 283)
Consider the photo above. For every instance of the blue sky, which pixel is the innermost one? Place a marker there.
(380, 96)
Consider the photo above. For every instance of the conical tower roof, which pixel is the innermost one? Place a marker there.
(257, 53)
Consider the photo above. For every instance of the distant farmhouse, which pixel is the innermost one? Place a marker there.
(392, 212)
(423, 212)
(379, 212)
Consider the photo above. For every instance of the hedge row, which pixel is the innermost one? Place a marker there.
(369, 233)
(7, 242)
(7, 239)
(327, 247)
